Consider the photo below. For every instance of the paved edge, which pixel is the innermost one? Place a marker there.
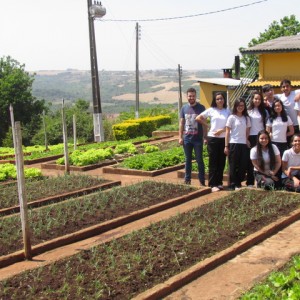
(185, 277)
(103, 227)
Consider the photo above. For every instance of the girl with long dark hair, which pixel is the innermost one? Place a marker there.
(280, 126)
(237, 144)
(217, 114)
(258, 118)
(266, 160)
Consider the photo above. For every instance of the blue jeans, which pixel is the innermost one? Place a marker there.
(188, 147)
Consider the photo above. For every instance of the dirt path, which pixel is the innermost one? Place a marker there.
(225, 282)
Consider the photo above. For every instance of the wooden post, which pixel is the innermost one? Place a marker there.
(21, 191)
(74, 131)
(67, 165)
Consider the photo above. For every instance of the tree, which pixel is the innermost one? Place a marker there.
(16, 89)
(285, 27)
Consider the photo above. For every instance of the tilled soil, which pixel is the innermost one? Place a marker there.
(106, 273)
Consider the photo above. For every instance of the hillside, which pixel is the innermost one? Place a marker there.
(117, 87)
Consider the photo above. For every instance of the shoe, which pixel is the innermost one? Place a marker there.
(202, 183)
(250, 186)
(237, 188)
(187, 182)
(221, 187)
(215, 189)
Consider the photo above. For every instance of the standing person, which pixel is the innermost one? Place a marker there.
(258, 117)
(218, 115)
(191, 135)
(236, 143)
(280, 126)
(269, 97)
(288, 99)
(291, 166)
(265, 158)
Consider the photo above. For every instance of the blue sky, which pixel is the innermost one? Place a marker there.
(53, 35)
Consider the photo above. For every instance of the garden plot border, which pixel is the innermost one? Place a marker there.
(123, 171)
(18, 256)
(60, 197)
(194, 175)
(178, 281)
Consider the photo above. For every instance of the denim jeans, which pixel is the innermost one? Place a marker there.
(188, 147)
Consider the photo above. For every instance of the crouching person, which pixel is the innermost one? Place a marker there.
(265, 158)
(291, 166)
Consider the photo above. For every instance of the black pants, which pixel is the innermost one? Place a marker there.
(238, 160)
(216, 159)
(250, 174)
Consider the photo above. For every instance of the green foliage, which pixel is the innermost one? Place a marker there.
(155, 160)
(8, 171)
(285, 27)
(125, 148)
(279, 285)
(16, 89)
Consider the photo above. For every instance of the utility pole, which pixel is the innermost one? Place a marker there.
(137, 80)
(95, 11)
(180, 91)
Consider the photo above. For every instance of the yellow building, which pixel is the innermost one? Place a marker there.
(278, 59)
(210, 86)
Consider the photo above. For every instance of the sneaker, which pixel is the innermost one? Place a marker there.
(202, 183)
(187, 182)
(221, 187)
(237, 188)
(215, 189)
(250, 186)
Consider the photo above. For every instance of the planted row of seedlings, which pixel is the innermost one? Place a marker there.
(47, 187)
(69, 216)
(38, 151)
(125, 267)
(88, 157)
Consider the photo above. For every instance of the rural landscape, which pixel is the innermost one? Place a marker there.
(116, 219)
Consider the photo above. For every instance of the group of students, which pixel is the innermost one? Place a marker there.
(262, 142)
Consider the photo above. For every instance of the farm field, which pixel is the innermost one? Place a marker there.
(126, 179)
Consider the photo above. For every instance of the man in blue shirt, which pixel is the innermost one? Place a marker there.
(191, 135)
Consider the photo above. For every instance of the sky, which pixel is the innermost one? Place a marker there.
(54, 35)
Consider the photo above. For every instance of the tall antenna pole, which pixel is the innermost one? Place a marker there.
(137, 80)
(180, 91)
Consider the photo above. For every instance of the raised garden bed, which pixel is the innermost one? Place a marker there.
(91, 214)
(51, 190)
(123, 268)
(123, 171)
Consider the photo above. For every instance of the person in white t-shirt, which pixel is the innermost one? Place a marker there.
(266, 160)
(291, 166)
(280, 126)
(237, 144)
(258, 117)
(288, 99)
(218, 114)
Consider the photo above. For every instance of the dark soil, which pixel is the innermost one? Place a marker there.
(85, 212)
(125, 267)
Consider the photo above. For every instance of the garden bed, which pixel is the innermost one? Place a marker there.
(91, 214)
(123, 268)
(123, 171)
(60, 197)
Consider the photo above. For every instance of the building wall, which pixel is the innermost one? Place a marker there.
(207, 90)
(277, 66)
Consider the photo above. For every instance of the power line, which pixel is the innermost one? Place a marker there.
(183, 17)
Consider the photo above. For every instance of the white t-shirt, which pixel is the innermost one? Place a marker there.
(218, 118)
(279, 129)
(265, 156)
(238, 126)
(289, 105)
(257, 123)
(292, 158)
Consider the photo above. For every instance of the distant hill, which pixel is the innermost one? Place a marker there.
(156, 86)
